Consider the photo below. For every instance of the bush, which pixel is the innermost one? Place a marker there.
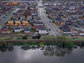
(2, 43)
(65, 42)
(62, 38)
(37, 37)
(69, 44)
(19, 38)
(24, 37)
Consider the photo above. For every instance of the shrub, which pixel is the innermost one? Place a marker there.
(24, 37)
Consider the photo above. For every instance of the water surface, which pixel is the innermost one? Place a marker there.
(47, 54)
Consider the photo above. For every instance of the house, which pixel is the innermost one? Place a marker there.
(74, 18)
(5, 31)
(10, 23)
(68, 23)
(34, 13)
(81, 33)
(58, 19)
(31, 20)
(65, 28)
(81, 22)
(27, 30)
(18, 29)
(38, 23)
(25, 23)
(42, 31)
(17, 23)
(72, 7)
(80, 29)
(4, 28)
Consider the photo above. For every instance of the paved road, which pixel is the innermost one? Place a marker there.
(54, 30)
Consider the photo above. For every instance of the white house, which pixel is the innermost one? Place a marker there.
(42, 31)
(18, 29)
(81, 34)
(26, 30)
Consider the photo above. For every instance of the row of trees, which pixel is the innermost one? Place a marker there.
(33, 37)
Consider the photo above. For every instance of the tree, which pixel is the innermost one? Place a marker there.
(24, 37)
(37, 36)
(62, 38)
(11, 18)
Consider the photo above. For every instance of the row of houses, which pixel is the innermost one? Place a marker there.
(16, 29)
(17, 23)
(37, 27)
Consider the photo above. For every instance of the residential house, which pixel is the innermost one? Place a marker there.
(42, 31)
(38, 23)
(65, 28)
(27, 30)
(18, 29)
(5, 31)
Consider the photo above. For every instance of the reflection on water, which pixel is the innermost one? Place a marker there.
(40, 54)
(4, 49)
(49, 50)
(53, 50)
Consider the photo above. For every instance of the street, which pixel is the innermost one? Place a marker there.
(53, 30)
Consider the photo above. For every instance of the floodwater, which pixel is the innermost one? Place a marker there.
(44, 54)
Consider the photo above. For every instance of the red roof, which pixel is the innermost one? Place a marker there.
(3, 30)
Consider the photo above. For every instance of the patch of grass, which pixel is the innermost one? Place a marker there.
(48, 37)
(76, 39)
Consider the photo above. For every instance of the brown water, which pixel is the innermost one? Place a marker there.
(47, 54)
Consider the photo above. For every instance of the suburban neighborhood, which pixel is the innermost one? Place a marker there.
(41, 31)
(44, 17)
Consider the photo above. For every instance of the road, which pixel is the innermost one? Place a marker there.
(53, 30)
